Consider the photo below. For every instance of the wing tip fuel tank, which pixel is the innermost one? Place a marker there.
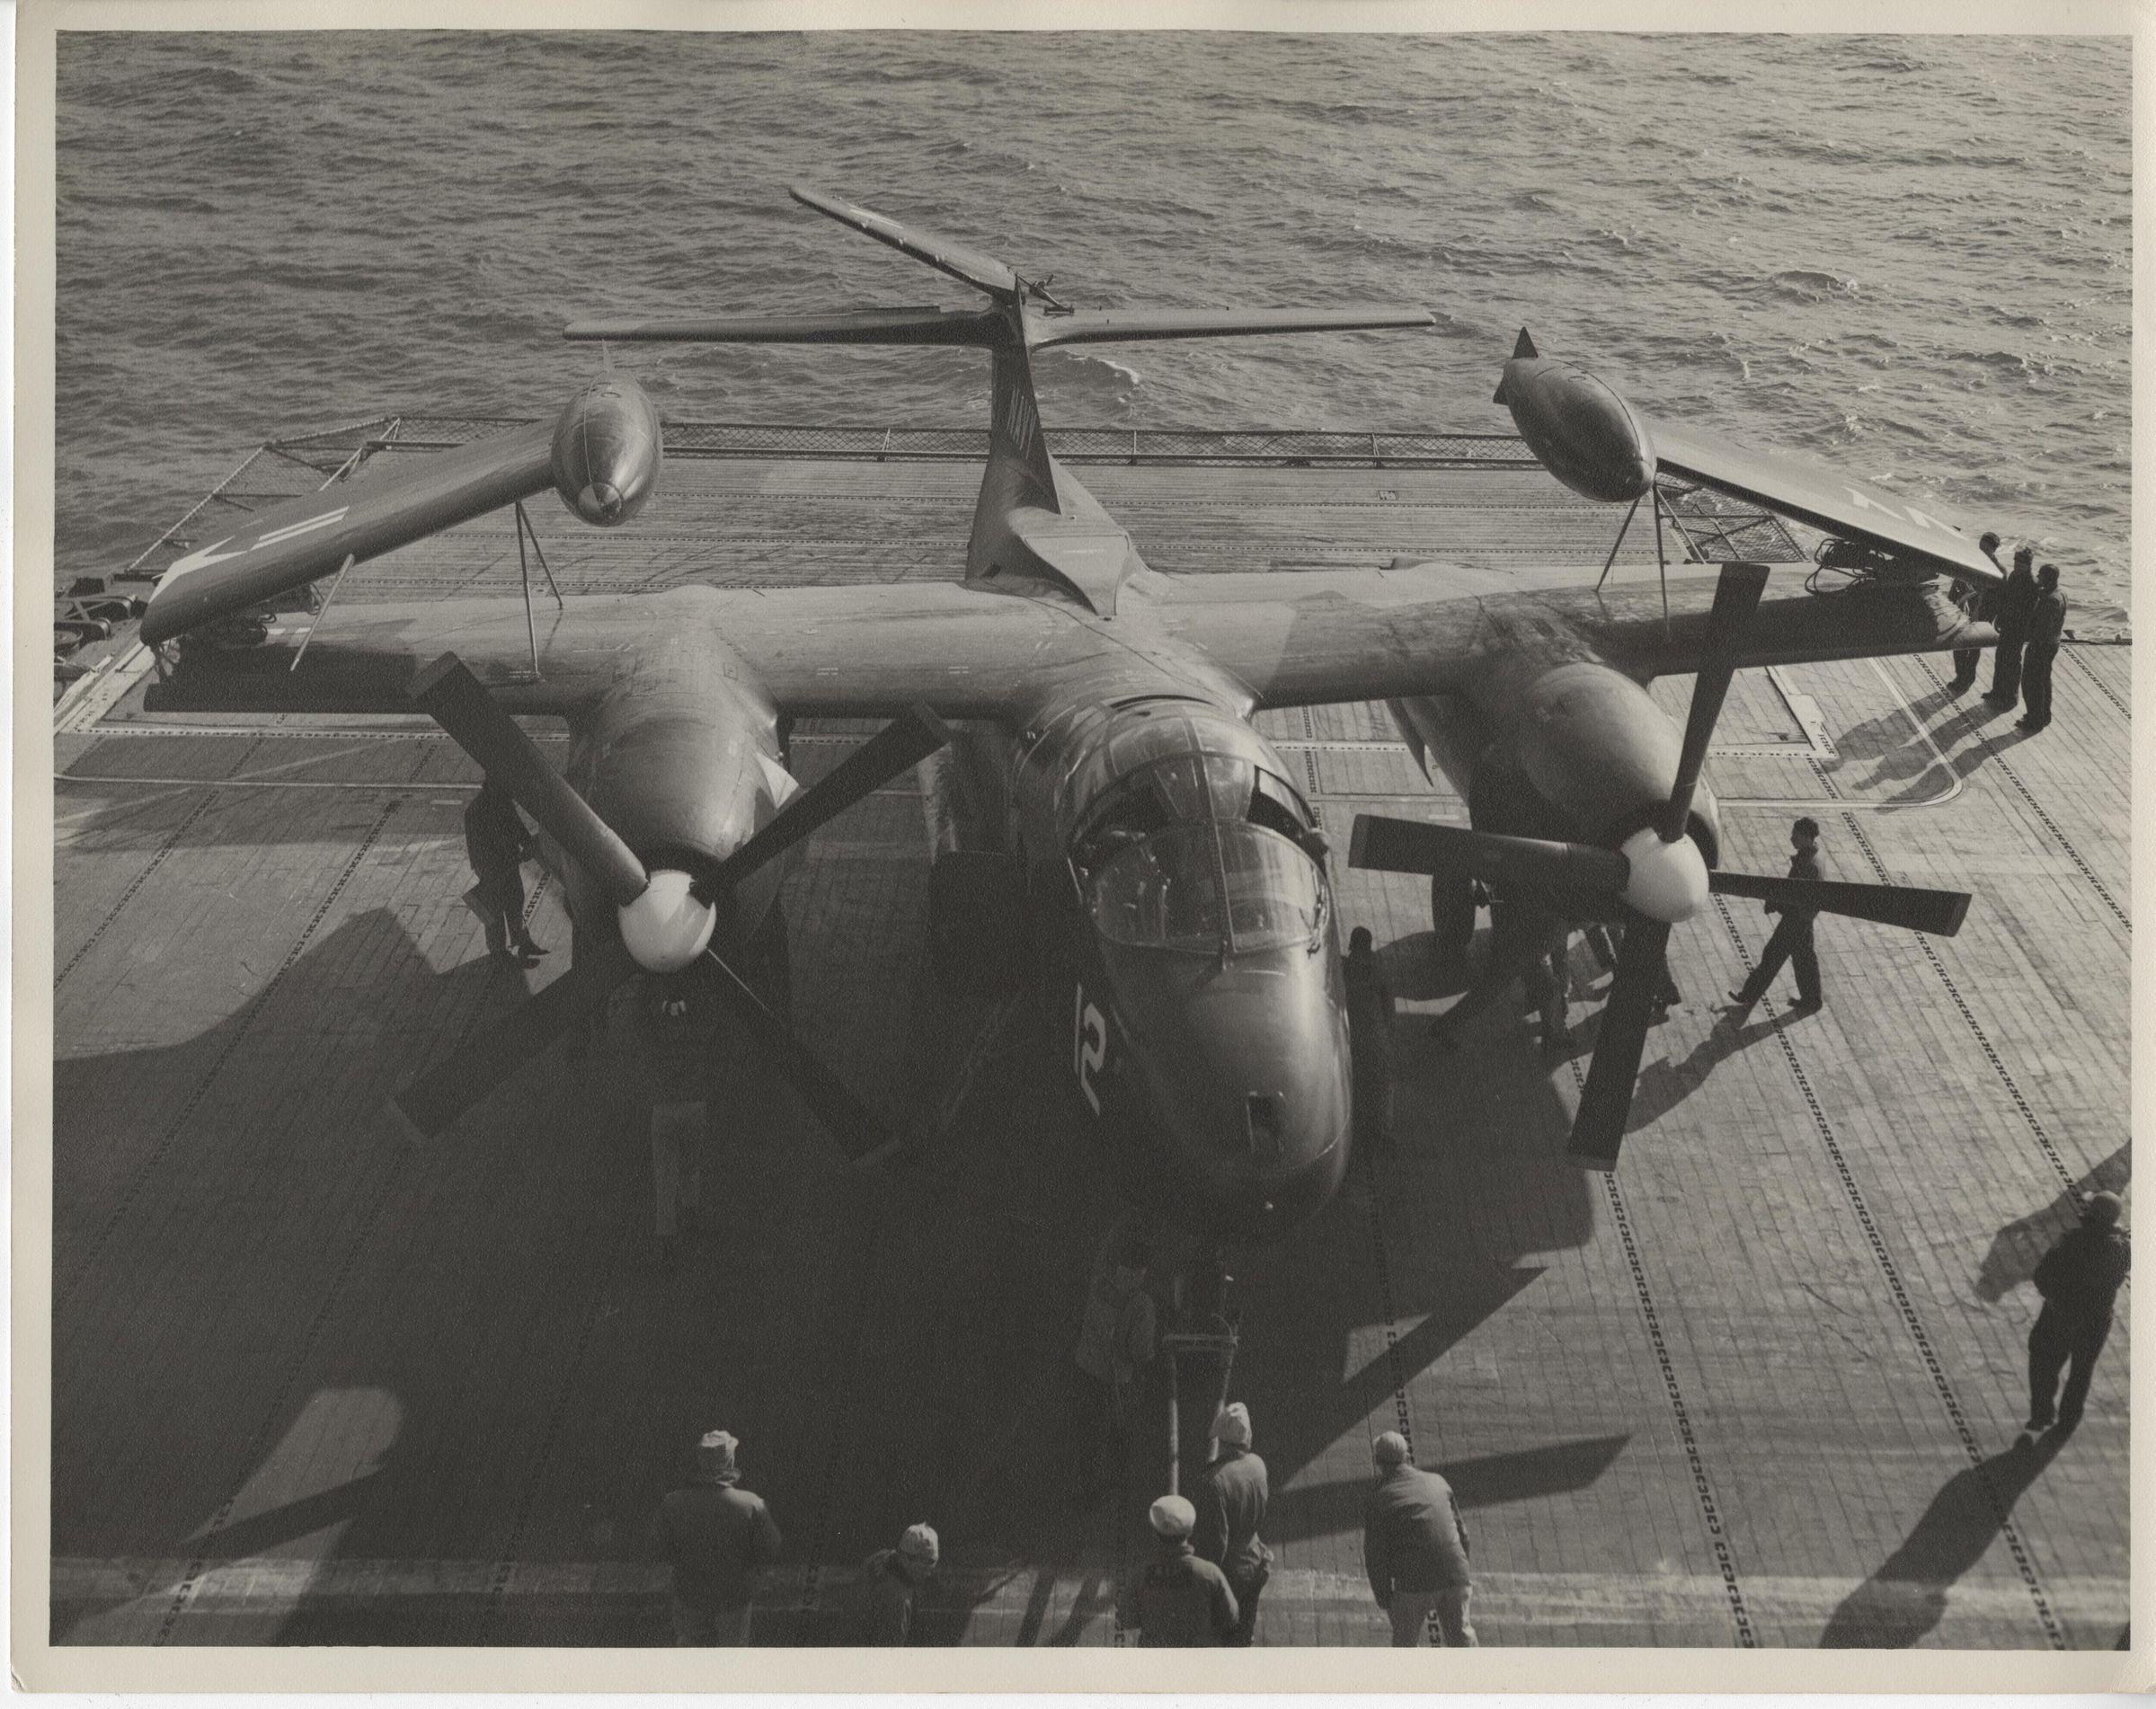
(601, 454)
(1578, 424)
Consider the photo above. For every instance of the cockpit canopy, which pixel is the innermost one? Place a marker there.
(1194, 842)
(1210, 887)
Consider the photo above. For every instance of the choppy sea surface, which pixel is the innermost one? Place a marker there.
(1906, 256)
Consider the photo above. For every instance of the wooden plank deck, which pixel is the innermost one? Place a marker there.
(314, 1385)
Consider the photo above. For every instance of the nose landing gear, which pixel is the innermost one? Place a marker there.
(1200, 1349)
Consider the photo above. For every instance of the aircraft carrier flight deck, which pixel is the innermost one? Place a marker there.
(313, 1383)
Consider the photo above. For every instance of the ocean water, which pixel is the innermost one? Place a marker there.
(1907, 256)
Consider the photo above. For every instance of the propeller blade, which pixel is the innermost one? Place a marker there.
(452, 696)
(1606, 1100)
(1382, 845)
(905, 740)
(1902, 905)
(1737, 598)
(856, 1129)
(453, 1085)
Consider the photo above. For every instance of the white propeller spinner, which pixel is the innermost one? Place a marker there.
(666, 928)
(1669, 880)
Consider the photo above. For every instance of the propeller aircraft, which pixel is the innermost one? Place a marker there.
(1122, 821)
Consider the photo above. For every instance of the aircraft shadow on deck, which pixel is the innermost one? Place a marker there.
(914, 1362)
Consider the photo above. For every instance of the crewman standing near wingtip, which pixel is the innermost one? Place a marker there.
(1977, 603)
(719, 1539)
(497, 844)
(2046, 623)
(2079, 1279)
(1791, 940)
(2010, 612)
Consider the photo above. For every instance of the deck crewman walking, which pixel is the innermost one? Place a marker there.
(2017, 598)
(1231, 1499)
(1791, 940)
(2079, 1279)
(1414, 1549)
(719, 1538)
(2046, 623)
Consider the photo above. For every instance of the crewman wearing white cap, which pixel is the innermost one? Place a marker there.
(1416, 1549)
(1230, 1498)
(719, 1538)
(882, 1612)
(1183, 1602)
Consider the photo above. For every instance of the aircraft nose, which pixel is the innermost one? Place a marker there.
(1246, 1069)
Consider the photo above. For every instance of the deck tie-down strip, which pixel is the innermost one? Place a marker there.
(1695, 1461)
(158, 859)
(1934, 1367)
(191, 1583)
(247, 1018)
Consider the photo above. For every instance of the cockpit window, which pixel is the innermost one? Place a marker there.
(1187, 788)
(1208, 887)
(1277, 807)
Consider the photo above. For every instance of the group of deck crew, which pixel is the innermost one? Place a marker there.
(1200, 1588)
(2030, 613)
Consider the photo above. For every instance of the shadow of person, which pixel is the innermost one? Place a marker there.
(1906, 1597)
(1962, 764)
(1664, 1083)
(2018, 1248)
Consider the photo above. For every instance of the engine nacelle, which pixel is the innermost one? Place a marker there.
(1583, 430)
(608, 447)
(683, 762)
(1594, 745)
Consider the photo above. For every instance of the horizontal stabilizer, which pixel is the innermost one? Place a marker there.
(983, 273)
(1837, 504)
(293, 544)
(1134, 325)
(852, 326)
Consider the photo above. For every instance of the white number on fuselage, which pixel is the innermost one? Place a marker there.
(1089, 1048)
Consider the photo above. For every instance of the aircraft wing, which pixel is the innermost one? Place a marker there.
(1310, 638)
(835, 651)
(1836, 503)
(292, 544)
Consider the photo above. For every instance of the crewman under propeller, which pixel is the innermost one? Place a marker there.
(1528, 945)
(497, 843)
(1791, 940)
(678, 1035)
